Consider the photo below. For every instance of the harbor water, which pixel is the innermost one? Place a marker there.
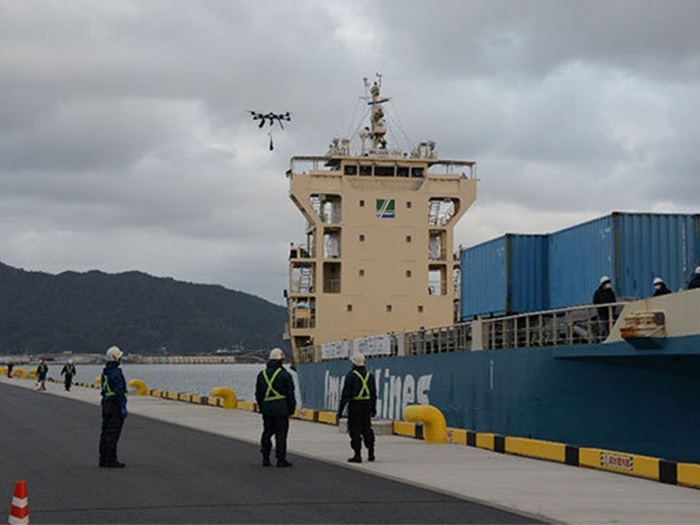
(193, 379)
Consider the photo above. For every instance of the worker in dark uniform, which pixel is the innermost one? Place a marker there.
(41, 371)
(695, 281)
(360, 394)
(604, 295)
(68, 371)
(660, 287)
(10, 366)
(113, 409)
(274, 393)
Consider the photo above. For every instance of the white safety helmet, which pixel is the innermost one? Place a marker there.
(276, 354)
(697, 270)
(604, 279)
(357, 359)
(658, 280)
(114, 354)
(70, 361)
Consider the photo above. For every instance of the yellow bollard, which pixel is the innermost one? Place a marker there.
(228, 395)
(140, 386)
(435, 428)
(98, 380)
(19, 372)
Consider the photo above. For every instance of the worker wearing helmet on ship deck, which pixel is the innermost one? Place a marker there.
(113, 408)
(274, 393)
(604, 295)
(695, 281)
(660, 287)
(360, 394)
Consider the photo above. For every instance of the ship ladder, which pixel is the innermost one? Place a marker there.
(305, 280)
(433, 212)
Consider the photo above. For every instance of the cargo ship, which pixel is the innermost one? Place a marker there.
(521, 356)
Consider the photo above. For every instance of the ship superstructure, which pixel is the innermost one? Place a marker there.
(378, 254)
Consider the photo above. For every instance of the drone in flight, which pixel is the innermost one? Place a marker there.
(271, 118)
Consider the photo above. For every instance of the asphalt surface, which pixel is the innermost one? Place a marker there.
(179, 475)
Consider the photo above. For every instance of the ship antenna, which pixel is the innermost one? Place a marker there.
(378, 129)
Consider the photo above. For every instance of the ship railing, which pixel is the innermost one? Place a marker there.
(306, 354)
(301, 250)
(441, 340)
(589, 324)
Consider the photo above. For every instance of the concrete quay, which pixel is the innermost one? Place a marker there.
(499, 488)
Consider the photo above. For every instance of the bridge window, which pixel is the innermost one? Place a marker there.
(416, 172)
(350, 170)
(384, 171)
(366, 171)
(402, 171)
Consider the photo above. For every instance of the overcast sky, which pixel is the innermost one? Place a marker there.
(125, 143)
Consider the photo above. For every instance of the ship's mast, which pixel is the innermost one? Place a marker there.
(378, 130)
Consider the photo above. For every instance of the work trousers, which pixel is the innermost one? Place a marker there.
(112, 422)
(67, 381)
(360, 425)
(275, 426)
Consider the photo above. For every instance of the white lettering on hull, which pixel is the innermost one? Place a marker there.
(394, 392)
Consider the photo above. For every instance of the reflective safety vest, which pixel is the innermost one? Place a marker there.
(364, 391)
(70, 370)
(106, 390)
(271, 394)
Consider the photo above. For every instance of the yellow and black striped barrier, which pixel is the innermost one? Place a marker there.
(671, 472)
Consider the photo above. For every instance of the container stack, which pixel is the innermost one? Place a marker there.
(526, 273)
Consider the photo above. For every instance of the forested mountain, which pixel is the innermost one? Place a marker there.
(88, 312)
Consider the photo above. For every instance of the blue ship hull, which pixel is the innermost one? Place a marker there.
(637, 398)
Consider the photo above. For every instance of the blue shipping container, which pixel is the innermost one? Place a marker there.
(631, 248)
(505, 275)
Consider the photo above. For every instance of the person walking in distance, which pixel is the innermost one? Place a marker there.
(360, 394)
(274, 393)
(68, 371)
(113, 408)
(41, 371)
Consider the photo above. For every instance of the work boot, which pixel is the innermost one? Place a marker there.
(113, 464)
(370, 456)
(284, 463)
(266, 461)
(355, 459)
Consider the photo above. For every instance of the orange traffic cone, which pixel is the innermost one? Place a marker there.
(19, 511)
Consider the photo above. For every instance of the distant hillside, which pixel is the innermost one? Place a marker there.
(88, 312)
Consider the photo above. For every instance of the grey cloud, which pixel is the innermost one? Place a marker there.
(125, 142)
